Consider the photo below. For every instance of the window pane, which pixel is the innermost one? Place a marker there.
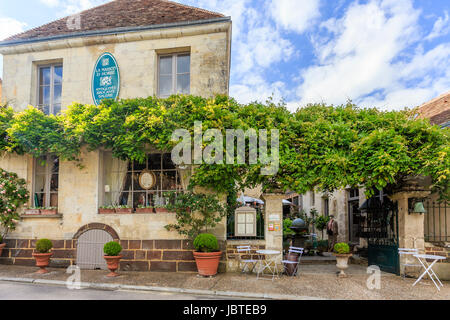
(183, 83)
(39, 183)
(44, 95)
(167, 161)
(140, 166)
(57, 94)
(44, 76)
(184, 64)
(57, 76)
(54, 183)
(169, 181)
(41, 165)
(154, 161)
(56, 109)
(165, 85)
(165, 66)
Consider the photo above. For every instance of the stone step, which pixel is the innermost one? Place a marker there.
(317, 260)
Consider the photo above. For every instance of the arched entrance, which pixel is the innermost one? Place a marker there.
(90, 242)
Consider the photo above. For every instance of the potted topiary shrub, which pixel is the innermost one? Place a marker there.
(342, 254)
(322, 246)
(42, 254)
(112, 256)
(207, 254)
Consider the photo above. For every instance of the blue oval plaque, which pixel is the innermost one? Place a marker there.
(105, 79)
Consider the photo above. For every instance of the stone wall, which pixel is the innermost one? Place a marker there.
(138, 255)
(233, 256)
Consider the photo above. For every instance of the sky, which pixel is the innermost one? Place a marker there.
(388, 54)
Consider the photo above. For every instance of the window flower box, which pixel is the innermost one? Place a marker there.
(124, 210)
(161, 210)
(145, 210)
(32, 212)
(49, 211)
(106, 211)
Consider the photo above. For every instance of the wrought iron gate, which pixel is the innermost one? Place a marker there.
(380, 227)
(90, 249)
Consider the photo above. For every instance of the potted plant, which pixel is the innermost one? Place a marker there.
(107, 210)
(32, 211)
(322, 246)
(13, 194)
(145, 209)
(49, 211)
(342, 254)
(42, 254)
(124, 209)
(112, 256)
(207, 254)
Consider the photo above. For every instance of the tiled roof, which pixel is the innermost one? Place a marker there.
(122, 14)
(437, 110)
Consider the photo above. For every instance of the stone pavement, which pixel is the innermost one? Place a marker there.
(314, 282)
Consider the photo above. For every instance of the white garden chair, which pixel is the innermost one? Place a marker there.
(246, 250)
(408, 252)
(297, 250)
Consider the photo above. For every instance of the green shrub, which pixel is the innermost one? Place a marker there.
(1, 239)
(286, 224)
(341, 248)
(112, 249)
(206, 242)
(44, 246)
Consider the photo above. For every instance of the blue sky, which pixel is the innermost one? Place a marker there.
(384, 53)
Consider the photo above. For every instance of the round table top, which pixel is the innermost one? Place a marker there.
(268, 252)
(429, 256)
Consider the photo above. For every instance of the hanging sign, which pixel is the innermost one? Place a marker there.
(105, 79)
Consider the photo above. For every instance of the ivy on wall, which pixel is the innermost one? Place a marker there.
(324, 147)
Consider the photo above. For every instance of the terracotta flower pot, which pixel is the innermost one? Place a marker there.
(113, 265)
(49, 212)
(342, 263)
(42, 261)
(124, 210)
(161, 210)
(145, 210)
(2, 245)
(207, 262)
(32, 212)
(106, 211)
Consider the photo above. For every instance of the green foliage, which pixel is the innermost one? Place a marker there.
(44, 246)
(321, 223)
(13, 194)
(286, 224)
(206, 242)
(321, 147)
(112, 249)
(1, 239)
(341, 248)
(195, 212)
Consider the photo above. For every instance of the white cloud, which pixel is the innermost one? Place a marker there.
(50, 3)
(295, 15)
(441, 28)
(363, 59)
(9, 27)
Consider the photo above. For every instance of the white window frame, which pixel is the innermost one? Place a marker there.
(52, 85)
(48, 178)
(174, 72)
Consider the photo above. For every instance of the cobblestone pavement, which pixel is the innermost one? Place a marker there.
(316, 281)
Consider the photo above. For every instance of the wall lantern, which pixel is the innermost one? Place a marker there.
(416, 206)
(245, 222)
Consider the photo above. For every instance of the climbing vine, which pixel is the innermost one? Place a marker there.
(324, 147)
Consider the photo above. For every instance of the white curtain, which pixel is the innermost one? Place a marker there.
(115, 173)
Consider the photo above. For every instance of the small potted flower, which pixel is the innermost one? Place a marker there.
(124, 209)
(32, 211)
(107, 210)
(207, 254)
(112, 256)
(42, 254)
(145, 209)
(49, 211)
(342, 254)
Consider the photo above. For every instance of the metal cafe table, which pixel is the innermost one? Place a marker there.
(266, 264)
(428, 268)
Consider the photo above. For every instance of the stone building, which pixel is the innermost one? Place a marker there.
(122, 49)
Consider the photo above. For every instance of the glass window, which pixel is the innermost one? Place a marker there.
(122, 180)
(46, 181)
(50, 89)
(174, 74)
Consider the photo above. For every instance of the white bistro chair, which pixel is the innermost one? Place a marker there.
(246, 250)
(408, 252)
(297, 250)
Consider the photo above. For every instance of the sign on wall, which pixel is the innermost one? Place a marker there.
(105, 79)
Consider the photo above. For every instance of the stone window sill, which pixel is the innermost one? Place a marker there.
(41, 216)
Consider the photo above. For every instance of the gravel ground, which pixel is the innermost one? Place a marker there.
(319, 281)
